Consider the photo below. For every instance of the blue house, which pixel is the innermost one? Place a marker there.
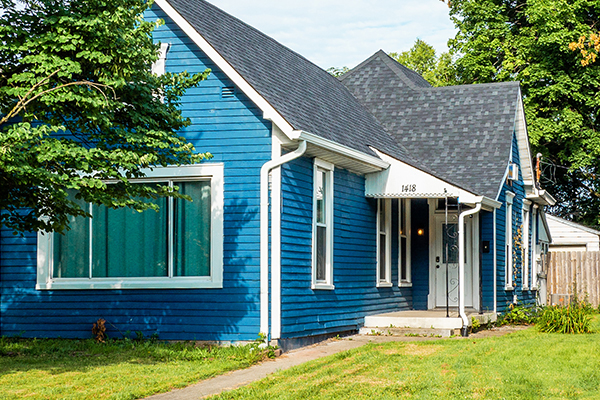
(328, 201)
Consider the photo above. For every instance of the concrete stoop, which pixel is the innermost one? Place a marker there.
(409, 332)
(432, 323)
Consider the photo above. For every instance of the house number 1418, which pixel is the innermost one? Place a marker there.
(409, 188)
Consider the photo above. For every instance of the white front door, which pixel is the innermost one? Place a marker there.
(446, 261)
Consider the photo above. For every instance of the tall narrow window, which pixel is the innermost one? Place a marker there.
(534, 250)
(525, 256)
(404, 234)
(384, 241)
(323, 226)
(509, 241)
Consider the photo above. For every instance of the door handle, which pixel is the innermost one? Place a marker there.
(437, 266)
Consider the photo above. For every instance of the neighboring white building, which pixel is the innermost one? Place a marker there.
(569, 236)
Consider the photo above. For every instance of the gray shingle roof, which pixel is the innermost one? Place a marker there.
(463, 133)
(309, 98)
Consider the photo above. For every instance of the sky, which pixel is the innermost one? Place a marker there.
(337, 33)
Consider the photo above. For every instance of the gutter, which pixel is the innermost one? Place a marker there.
(461, 267)
(264, 232)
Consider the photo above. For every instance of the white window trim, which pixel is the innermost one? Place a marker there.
(508, 239)
(534, 256)
(328, 168)
(525, 248)
(212, 171)
(388, 243)
(159, 66)
(408, 235)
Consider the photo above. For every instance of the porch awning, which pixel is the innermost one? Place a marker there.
(401, 180)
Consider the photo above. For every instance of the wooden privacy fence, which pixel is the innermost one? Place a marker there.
(574, 269)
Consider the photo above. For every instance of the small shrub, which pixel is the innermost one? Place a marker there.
(475, 324)
(99, 330)
(571, 319)
(519, 315)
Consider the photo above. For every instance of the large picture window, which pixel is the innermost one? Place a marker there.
(323, 225)
(180, 245)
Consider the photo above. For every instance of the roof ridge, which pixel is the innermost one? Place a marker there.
(398, 69)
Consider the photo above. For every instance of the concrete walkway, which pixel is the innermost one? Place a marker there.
(239, 378)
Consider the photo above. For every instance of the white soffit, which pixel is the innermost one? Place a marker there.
(402, 180)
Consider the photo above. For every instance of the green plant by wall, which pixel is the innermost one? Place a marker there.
(519, 315)
(571, 319)
(517, 253)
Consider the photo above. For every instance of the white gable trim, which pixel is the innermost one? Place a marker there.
(526, 166)
(269, 112)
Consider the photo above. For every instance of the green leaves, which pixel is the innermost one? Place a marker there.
(438, 71)
(528, 41)
(80, 107)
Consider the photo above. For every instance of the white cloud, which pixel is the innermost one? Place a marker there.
(344, 33)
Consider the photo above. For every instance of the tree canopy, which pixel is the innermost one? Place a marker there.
(80, 110)
(528, 41)
(422, 58)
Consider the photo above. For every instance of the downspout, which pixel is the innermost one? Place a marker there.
(264, 231)
(461, 266)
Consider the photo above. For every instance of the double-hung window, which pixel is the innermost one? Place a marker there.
(509, 241)
(534, 248)
(404, 235)
(525, 248)
(322, 274)
(384, 243)
(178, 246)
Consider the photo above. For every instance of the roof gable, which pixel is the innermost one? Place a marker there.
(304, 96)
(463, 133)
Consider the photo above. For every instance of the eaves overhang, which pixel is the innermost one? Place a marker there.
(337, 154)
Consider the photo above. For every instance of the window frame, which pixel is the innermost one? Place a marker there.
(327, 168)
(525, 249)
(387, 231)
(534, 252)
(209, 171)
(406, 281)
(508, 239)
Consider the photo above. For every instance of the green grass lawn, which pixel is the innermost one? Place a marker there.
(125, 369)
(523, 365)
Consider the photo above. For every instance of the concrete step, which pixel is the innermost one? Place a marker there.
(422, 332)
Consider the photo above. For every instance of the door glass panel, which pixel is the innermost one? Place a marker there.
(450, 243)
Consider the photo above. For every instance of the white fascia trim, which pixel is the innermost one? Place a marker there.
(269, 112)
(343, 150)
(504, 177)
(523, 140)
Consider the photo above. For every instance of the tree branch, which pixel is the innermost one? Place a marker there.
(22, 103)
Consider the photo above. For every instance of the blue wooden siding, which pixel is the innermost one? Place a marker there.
(313, 312)
(234, 132)
(420, 253)
(505, 297)
(487, 261)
